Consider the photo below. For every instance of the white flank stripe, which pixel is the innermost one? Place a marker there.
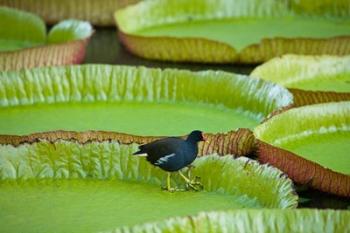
(164, 159)
(142, 155)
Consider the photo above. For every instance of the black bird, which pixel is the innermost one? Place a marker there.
(172, 154)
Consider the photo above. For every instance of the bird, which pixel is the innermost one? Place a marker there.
(171, 154)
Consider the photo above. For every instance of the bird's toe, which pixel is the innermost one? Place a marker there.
(194, 185)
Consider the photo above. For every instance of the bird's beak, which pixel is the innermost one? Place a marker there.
(204, 138)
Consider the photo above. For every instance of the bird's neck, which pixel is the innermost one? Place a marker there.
(191, 141)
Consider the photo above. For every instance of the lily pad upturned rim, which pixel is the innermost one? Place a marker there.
(64, 44)
(299, 169)
(92, 82)
(71, 9)
(266, 220)
(49, 55)
(303, 97)
(237, 143)
(211, 51)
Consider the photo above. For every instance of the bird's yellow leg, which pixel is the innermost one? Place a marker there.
(168, 184)
(184, 177)
(189, 168)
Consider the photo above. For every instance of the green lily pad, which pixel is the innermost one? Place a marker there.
(65, 186)
(25, 44)
(318, 133)
(311, 79)
(309, 73)
(69, 30)
(132, 100)
(242, 31)
(20, 29)
(234, 31)
(304, 220)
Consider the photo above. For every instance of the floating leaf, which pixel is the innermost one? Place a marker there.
(140, 101)
(304, 220)
(311, 79)
(311, 145)
(227, 31)
(50, 185)
(23, 41)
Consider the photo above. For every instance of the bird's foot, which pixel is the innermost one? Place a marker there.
(194, 184)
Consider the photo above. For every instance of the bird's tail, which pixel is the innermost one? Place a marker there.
(140, 151)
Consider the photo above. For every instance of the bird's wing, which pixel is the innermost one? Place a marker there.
(162, 148)
(145, 148)
(159, 143)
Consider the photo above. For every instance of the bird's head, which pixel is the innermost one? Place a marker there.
(196, 136)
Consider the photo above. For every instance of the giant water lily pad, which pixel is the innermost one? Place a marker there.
(232, 30)
(25, 44)
(311, 144)
(52, 11)
(311, 79)
(306, 220)
(139, 101)
(66, 186)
